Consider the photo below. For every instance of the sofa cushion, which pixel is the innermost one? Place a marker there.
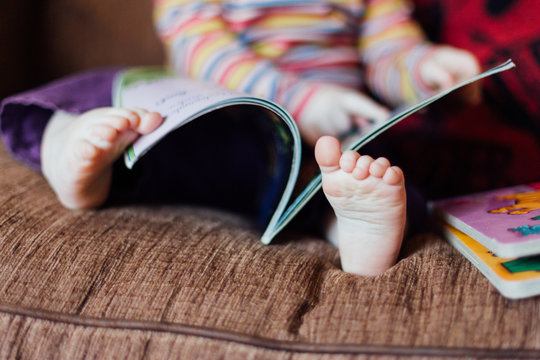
(189, 282)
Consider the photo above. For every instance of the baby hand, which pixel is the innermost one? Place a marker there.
(446, 66)
(334, 110)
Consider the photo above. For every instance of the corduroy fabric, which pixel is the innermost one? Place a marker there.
(188, 282)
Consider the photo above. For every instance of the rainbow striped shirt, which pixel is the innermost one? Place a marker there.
(281, 49)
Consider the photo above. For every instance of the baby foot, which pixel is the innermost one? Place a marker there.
(78, 151)
(369, 201)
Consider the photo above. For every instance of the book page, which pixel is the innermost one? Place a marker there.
(177, 100)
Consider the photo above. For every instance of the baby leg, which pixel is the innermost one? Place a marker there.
(369, 201)
(77, 151)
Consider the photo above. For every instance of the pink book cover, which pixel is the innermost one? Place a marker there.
(506, 220)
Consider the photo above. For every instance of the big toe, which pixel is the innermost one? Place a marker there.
(150, 121)
(328, 153)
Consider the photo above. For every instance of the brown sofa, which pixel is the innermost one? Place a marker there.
(189, 282)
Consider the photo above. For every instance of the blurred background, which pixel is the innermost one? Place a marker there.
(447, 151)
(46, 39)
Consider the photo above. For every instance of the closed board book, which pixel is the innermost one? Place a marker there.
(506, 221)
(515, 278)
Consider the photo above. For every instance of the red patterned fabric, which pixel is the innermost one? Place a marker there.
(497, 143)
(495, 30)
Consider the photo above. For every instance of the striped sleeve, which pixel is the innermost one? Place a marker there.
(200, 45)
(392, 47)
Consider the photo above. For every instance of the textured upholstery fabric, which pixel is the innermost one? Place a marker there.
(185, 282)
(194, 283)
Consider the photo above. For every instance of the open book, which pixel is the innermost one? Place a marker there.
(181, 100)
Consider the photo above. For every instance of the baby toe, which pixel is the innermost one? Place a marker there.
(393, 176)
(84, 151)
(149, 122)
(378, 167)
(101, 134)
(131, 118)
(143, 121)
(361, 171)
(348, 160)
(120, 123)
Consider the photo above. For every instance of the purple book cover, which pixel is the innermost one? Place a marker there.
(507, 220)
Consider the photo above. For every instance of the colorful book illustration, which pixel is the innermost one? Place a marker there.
(506, 221)
(181, 100)
(514, 277)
